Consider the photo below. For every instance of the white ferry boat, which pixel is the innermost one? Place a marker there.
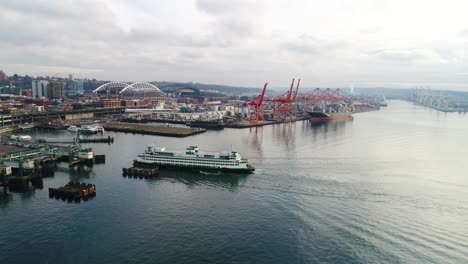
(192, 158)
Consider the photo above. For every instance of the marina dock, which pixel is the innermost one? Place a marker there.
(152, 130)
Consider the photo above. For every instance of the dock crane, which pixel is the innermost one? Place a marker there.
(257, 116)
(284, 106)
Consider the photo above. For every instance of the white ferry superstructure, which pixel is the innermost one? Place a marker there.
(192, 158)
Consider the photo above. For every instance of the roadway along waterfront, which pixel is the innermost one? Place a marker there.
(389, 186)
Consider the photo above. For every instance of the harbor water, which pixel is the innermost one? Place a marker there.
(389, 186)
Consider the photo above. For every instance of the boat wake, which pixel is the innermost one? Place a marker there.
(259, 171)
(210, 173)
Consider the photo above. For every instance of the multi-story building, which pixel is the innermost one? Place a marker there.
(74, 88)
(56, 89)
(39, 88)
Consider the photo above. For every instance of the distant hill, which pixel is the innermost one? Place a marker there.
(225, 89)
(402, 93)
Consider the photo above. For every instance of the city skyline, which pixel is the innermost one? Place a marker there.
(241, 43)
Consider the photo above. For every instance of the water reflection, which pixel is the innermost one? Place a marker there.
(223, 180)
(285, 134)
(328, 128)
(5, 196)
(255, 139)
(78, 172)
(30, 193)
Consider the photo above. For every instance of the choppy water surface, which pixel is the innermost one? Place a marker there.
(387, 187)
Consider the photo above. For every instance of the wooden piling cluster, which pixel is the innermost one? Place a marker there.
(73, 191)
(98, 159)
(140, 172)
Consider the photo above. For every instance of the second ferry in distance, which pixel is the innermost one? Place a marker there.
(193, 159)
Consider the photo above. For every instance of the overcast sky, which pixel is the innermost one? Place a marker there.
(332, 43)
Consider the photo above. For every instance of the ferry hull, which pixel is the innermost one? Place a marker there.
(250, 169)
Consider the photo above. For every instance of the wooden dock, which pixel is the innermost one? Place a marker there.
(152, 130)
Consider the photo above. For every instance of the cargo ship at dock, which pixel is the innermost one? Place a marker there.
(319, 117)
(191, 158)
(333, 112)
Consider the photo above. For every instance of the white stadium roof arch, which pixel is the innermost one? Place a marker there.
(140, 86)
(111, 85)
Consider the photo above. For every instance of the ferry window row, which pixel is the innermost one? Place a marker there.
(193, 162)
(187, 160)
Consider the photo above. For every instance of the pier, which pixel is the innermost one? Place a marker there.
(152, 130)
(33, 117)
(23, 166)
(108, 140)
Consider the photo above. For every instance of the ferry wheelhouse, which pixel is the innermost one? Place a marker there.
(193, 158)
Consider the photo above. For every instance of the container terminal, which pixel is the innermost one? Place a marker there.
(138, 108)
(181, 106)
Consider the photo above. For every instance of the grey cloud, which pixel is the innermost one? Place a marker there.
(211, 6)
(233, 20)
(218, 41)
(167, 38)
(233, 7)
(237, 27)
(306, 44)
(412, 56)
(36, 24)
(402, 56)
(463, 33)
(372, 30)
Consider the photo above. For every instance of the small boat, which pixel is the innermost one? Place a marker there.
(87, 129)
(73, 128)
(91, 129)
(24, 138)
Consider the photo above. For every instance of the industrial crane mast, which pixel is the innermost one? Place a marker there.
(284, 106)
(257, 116)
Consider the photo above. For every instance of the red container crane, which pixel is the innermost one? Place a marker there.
(325, 97)
(257, 116)
(284, 106)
